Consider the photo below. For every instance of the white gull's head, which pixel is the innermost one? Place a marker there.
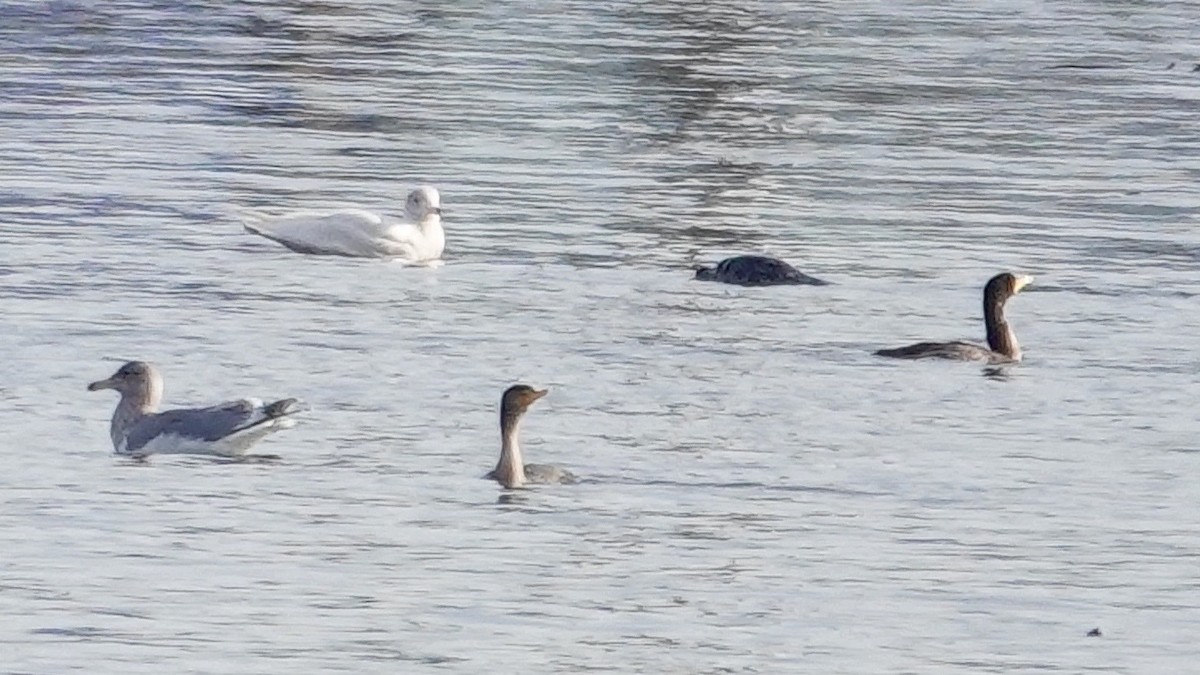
(422, 202)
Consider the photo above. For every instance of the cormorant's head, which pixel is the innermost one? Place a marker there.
(1005, 285)
(705, 273)
(517, 400)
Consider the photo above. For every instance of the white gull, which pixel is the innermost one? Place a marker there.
(362, 234)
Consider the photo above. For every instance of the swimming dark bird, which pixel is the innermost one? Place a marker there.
(1002, 343)
(755, 270)
(509, 471)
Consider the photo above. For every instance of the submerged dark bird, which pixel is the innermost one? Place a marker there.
(1002, 343)
(509, 471)
(755, 270)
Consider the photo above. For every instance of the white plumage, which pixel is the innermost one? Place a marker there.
(362, 234)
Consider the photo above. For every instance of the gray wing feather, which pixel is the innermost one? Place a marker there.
(207, 424)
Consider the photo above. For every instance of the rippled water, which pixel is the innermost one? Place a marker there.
(764, 495)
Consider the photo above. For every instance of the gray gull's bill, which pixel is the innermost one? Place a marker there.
(225, 430)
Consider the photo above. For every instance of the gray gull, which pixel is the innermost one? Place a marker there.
(362, 234)
(226, 430)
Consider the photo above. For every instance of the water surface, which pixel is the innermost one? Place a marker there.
(764, 495)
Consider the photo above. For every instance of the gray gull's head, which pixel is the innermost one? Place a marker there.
(136, 381)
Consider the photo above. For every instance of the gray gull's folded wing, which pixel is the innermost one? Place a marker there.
(224, 422)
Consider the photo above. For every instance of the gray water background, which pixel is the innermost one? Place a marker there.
(764, 495)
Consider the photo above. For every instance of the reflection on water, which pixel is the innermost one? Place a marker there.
(761, 490)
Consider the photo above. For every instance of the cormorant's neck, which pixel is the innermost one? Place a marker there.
(510, 470)
(1000, 336)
